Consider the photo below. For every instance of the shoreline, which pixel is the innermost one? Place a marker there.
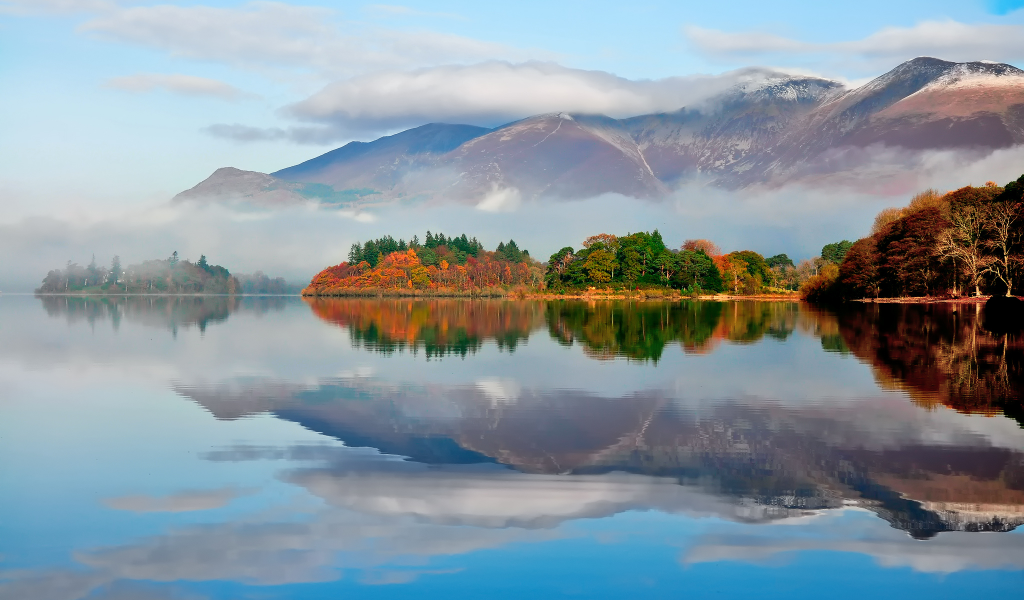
(590, 295)
(136, 295)
(925, 300)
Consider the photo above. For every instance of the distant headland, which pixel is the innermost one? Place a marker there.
(168, 276)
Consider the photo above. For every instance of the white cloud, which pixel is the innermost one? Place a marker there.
(949, 40)
(494, 92)
(180, 84)
(37, 7)
(237, 132)
(261, 34)
(500, 200)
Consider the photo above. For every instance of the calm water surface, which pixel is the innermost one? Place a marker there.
(267, 448)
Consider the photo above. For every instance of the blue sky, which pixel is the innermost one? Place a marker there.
(115, 103)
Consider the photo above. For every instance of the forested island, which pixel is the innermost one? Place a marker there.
(168, 276)
(634, 262)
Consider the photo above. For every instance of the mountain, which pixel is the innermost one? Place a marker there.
(732, 131)
(231, 184)
(781, 128)
(555, 154)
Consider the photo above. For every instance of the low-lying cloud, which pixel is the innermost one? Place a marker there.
(495, 92)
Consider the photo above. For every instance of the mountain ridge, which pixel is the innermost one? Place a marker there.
(770, 131)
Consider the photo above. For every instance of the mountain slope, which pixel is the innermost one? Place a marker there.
(559, 155)
(923, 104)
(229, 184)
(381, 164)
(731, 131)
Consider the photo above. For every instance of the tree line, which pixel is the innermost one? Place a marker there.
(643, 260)
(965, 242)
(627, 262)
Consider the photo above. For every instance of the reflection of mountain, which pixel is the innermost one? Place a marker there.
(940, 354)
(167, 312)
(786, 458)
(439, 327)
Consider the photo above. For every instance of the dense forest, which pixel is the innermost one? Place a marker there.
(965, 242)
(434, 249)
(642, 260)
(453, 264)
(168, 276)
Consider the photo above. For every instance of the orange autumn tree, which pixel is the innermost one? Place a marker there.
(404, 270)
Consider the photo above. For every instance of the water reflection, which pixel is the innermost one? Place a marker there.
(439, 327)
(940, 354)
(642, 330)
(762, 462)
(290, 455)
(635, 330)
(166, 312)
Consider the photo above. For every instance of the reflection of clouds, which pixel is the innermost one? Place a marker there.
(499, 390)
(186, 501)
(946, 553)
(489, 496)
(267, 553)
(386, 518)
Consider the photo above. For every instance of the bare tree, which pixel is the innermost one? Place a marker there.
(963, 243)
(1003, 228)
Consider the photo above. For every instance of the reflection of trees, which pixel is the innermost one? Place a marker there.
(939, 354)
(635, 330)
(440, 327)
(170, 312)
(641, 330)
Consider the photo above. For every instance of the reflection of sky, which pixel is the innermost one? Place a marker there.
(110, 489)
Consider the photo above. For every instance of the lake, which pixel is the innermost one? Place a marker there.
(272, 447)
